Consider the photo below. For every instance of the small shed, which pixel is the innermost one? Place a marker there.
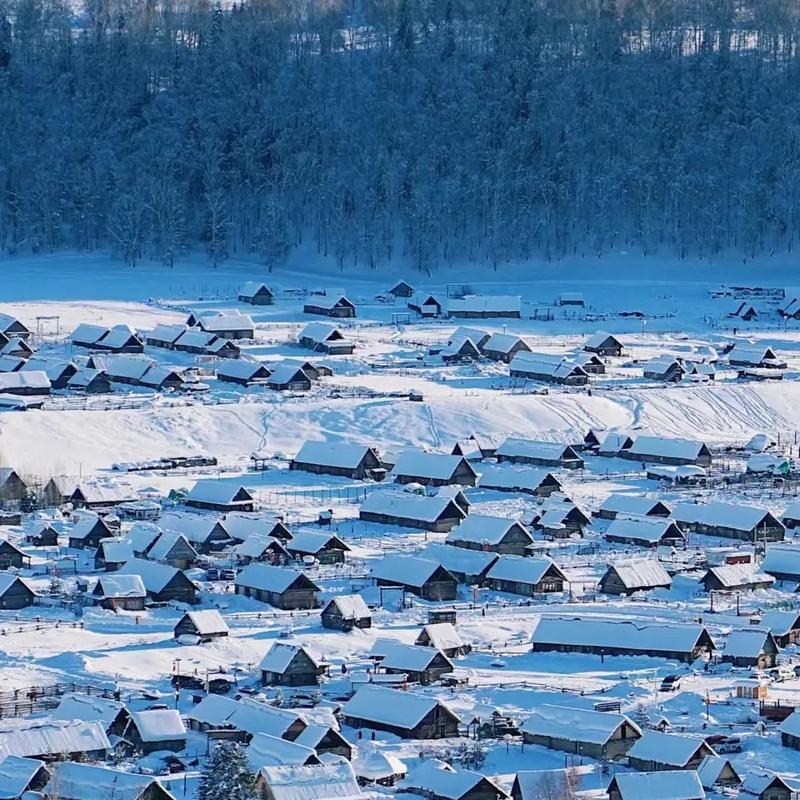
(156, 729)
(256, 294)
(634, 575)
(290, 665)
(14, 593)
(345, 612)
(525, 576)
(282, 588)
(604, 344)
(206, 625)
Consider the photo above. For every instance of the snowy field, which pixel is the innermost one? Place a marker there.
(677, 310)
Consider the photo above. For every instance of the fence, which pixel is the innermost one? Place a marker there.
(29, 700)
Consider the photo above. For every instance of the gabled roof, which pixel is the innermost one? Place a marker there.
(748, 643)
(641, 573)
(207, 621)
(218, 492)
(782, 559)
(313, 542)
(728, 515)
(443, 636)
(16, 773)
(74, 781)
(433, 466)
(166, 541)
(510, 478)
(600, 338)
(320, 332)
(667, 448)
(332, 454)
(681, 784)
(54, 737)
(158, 724)
(252, 288)
(350, 606)
(649, 529)
(243, 369)
(118, 585)
(155, 576)
(547, 364)
(267, 578)
(280, 656)
(460, 559)
(246, 715)
(631, 504)
(733, 575)
(390, 707)
(531, 448)
(88, 708)
(272, 751)
(406, 657)
(667, 748)
(575, 724)
(503, 342)
(523, 569)
(484, 529)
(451, 783)
(408, 505)
(330, 781)
(406, 570)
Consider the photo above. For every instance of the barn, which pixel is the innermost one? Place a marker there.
(282, 588)
(355, 461)
(525, 576)
(256, 294)
(333, 305)
(497, 534)
(543, 454)
(409, 510)
(420, 576)
(634, 575)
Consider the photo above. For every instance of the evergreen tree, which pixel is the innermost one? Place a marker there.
(227, 775)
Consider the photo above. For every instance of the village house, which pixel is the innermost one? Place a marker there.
(420, 576)
(750, 647)
(22, 777)
(42, 535)
(476, 446)
(56, 740)
(281, 588)
(100, 496)
(791, 515)
(656, 751)
(477, 306)
(206, 625)
(607, 637)
(660, 450)
(771, 786)
(118, 339)
(672, 784)
(504, 346)
(71, 781)
(12, 556)
(245, 716)
(89, 381)
(548, 368)
(423, 665)
(426, 305)
(627, 505)
(735, 577)
(747, 354)
(162, 582)
(345, 612)
(436, 780)
(790, 731)
(228, 325)
(243, 372)
(323, 338)
(11, 327)
(259, 547)
(409, 510)
(241, 526)
(111, 554)
(783, 625)
(88, 532)
(376, 767)
(596, 734)
(405, 714)
(525, 576)
(256, 294)
(525, 480)
(716, 772)
(497, 534)
(466, 566)
(665, 369)
(222, 496)
(206, 534)
(59, 372)
(604, 344)
(433, 469)
(173, 548)
(124, 592)
(290, 665)
(460, 351)
(165, 335)
(744, 311)
(332, 305)
(645, 532)
(543, 454)
(156, 729)
(747, 523)
(355, 461)
(634, 575)
(288, 377)
(782, 561)
(25, 383)
(611, 443)
(330, 781)
(14, 593)
(444, 637)
(12, 487)
(560, 518)
(111, 713)
(402, 289)
(324, 547)
(576, 781)
(269, 750)
(11, 363)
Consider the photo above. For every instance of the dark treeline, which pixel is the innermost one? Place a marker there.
(435, 130)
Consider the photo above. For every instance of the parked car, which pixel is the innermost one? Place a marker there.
(671, 683)
(212, 574)
(724, 744)
(227, 574)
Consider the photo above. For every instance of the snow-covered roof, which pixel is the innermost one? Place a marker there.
(782, 559)
(116, 551)
(443, 636)
(728, 515)
(123, 365)
(351, 606)
(574, 724)
(32, 379)
(373, 764)
(791, 725)
(709, 770)
(217, 492)
(154, 576)
(16, 773)
(335, 780)
(246, 715)
(241, 368)
(269, 751)
(118, 585)
(599, 338)
(267, 578)
(207, 621)
(252, 288)
(406, 505)
(404, 570)
(641, 573)
(666, 748)
(746, 642)
(733, 575)
(53, 368)
(503, 342)
(318, 332)
(167, 333)
(332, 454)
(312, 542)
(159, 724)
(286, 373)
(83, 377)
(530, 448)
(681, 784)
(142, 535)
(513, 478)
(445, 781)
(279, 657)
(460, 559)
(662, 447)
(406, 657)
(389, 707)
(192, 337)
(257, 544)
(481, 528)
(662, 364)
(630, 504)
(434, 466)
(118, 336)
(86, 333)
(780, 622)
(161, 548)
(74, 781)
(54, 737)
(522, 569)
(649, 529)
(226, 322)
(618, 633)
(547, 364)
(88, 708)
